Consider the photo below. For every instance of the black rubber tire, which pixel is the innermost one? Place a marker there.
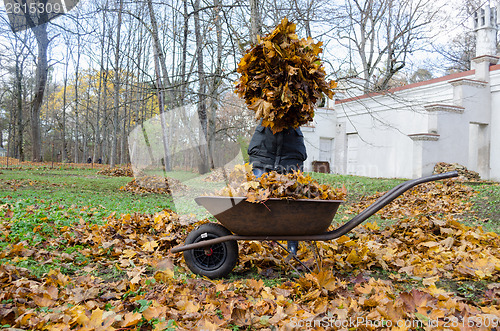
(214, 261)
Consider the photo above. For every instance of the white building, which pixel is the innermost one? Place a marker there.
(319, 138)
(405, 131)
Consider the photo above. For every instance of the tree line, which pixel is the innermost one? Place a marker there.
(72, 90)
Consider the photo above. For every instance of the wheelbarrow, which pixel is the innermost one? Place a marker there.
(211, 249)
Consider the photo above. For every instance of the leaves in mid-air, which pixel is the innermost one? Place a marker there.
(282, 78)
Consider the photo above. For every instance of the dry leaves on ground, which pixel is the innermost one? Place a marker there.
(117, 172)
(443, 197)
(14, 184)
(217, 175)
(463, 172)
(4, 160)
(153, 184)
(127, 279)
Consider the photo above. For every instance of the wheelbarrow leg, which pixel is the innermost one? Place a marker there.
(317, 257)
(289, 257)
(293, 246)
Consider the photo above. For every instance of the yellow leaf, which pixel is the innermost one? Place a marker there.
(430, 281)
(128, 253)
(150, 246)
(353, 258)
(154, 312)
(43, 301)
(342, 239)
(372, 226)
(131, 319)
(188, 306)
(164, 276)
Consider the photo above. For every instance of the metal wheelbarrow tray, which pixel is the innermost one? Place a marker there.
(211, 249)
(273, 217)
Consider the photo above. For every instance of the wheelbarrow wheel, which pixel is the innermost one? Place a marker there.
(213, 261)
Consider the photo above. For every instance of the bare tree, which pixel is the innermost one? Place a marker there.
(116, 82)
(459, 52)
(255, 20)
(383, 34)
(42, 39)
(161, 79)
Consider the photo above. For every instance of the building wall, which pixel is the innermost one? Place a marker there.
(495, 126)
(322, 128)
(383, 123)
(405, 133)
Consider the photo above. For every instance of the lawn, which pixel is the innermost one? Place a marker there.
(77, 251)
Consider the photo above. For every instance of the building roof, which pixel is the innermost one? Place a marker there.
(450, 77)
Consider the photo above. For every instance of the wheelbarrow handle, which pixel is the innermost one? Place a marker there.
(385, 200)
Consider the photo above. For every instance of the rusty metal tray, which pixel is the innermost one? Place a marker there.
(274, 217)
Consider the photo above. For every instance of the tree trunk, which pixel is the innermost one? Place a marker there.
(202, 109)
(64, 147)
(97, 153)
(104, 141)
(85, 132)
(77, 101)
(116, 84)
(160, 61)
(216, 81)
(19, 98)
(184, 53)
(255, 21)
(41, 80)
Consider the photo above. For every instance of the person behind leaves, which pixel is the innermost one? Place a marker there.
(282, 79)
(283, 152)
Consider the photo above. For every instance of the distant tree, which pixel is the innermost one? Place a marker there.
(460, 52)
(420, 75)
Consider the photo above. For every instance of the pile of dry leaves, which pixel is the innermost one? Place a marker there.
(296, 185)
(463, 172)
(217, 175)
(153, 184)
(117, 172)
(4, 160)
(431, 198)
(282, 78)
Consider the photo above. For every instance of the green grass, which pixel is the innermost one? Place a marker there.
(487, 207)
(357, 186)
(80, 188)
